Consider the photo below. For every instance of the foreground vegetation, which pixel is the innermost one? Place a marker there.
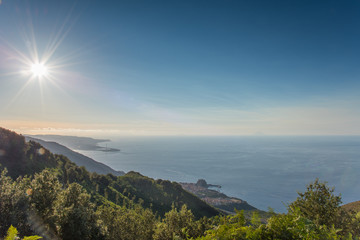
(315, 214)
(42, 205)
(46, 195)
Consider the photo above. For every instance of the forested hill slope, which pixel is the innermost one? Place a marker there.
(27, 158)
(79, 159)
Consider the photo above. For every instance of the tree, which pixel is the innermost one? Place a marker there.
(13, 204)
(44, 190)
(127, 223)
(74, 214)
(320, 205)
(178, 225)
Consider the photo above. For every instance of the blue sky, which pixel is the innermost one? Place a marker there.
(182, 67)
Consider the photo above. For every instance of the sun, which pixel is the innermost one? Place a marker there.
(39, 70)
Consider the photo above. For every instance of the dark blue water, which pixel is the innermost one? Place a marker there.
(265, 171)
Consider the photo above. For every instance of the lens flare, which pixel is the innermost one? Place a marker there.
(41, 151)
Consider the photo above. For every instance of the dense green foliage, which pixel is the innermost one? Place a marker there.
(42, 205)
(130, 222)
(180, 225)
(47, 195)
(13, 204)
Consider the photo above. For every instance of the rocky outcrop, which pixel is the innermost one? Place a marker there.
(216, 198)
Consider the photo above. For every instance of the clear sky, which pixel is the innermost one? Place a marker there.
(180, 67)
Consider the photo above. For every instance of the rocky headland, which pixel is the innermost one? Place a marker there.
(215, 198)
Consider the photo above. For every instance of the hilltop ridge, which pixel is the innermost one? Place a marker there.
(79, 159)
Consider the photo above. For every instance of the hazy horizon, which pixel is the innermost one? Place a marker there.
(114, 137)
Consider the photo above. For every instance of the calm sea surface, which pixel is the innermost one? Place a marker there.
(264, 171)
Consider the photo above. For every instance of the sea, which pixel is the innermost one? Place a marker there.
(262, 170)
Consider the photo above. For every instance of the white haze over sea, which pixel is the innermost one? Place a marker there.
(264, 171)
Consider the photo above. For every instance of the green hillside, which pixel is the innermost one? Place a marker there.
(22, 158)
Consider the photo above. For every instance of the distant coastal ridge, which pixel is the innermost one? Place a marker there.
(79, 159)
(78, 143)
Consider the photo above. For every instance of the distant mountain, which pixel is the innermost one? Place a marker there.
(79, 159)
